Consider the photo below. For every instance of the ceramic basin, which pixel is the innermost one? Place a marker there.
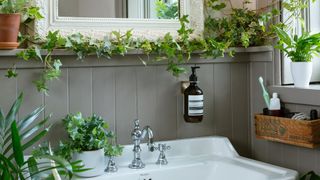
(209, 158)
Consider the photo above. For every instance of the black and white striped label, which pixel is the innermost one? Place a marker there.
(195, 105)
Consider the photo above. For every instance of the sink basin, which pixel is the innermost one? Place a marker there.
(205, 158)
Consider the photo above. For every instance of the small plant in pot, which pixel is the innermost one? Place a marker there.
(12, 13)
(300, 49)
(89, 142)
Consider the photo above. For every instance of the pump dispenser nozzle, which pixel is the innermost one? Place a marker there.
(193, 77)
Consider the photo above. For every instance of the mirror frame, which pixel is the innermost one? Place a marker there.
(100, 27)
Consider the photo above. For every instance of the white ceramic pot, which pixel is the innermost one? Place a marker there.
(94, 160)
(301, 73)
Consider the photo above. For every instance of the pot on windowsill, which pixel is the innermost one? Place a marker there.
(301, 74)
(9, 31)
(93, 160)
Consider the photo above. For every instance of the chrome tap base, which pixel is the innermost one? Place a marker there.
(137, 164)
(111, 168)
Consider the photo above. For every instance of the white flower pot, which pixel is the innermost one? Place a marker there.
(91, 159)
(301, 73)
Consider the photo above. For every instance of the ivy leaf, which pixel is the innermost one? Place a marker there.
(38, 52)
(57, 64)
(11, 73)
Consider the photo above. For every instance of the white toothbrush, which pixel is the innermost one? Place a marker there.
(265, 94)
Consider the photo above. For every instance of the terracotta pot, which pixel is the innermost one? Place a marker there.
(9, 30)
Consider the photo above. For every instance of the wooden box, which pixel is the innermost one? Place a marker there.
(289, 131)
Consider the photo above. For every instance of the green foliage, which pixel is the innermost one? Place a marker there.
(88, 134)
(11, 72)
(12, 132)
(243, 28)
(24, 7)
(51, 65)
(298, 48)
(174, 50)
(167, 10)
(310, 176)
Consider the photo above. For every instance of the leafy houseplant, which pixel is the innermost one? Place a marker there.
(89, 142)
(241, 28)
(12, 12)
(300, 49)
(13, 164)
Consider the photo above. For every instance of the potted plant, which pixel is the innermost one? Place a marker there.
(13, 163)
(89, 141)
(300, 49)
(12, 13)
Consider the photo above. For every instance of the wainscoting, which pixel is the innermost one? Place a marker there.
(122, 89)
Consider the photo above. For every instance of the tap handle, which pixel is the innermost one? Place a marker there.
(136, 124)
(162, 147)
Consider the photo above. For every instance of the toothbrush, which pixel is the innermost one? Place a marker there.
(265, 94)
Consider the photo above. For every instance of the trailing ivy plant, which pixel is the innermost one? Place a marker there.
(242, 28)
(174, 50)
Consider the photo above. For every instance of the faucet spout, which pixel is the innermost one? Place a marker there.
(148, 131)
(137, 136)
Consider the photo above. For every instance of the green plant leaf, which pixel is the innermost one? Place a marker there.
(16, 145)
(23, 124)
(32, 166)
(11, 116)
(61, 163)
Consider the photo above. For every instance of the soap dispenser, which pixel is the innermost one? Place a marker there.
(193, 99)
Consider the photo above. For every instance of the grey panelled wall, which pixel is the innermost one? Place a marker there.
(301, 159)
(122, 89)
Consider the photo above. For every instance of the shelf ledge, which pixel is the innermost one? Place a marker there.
(292, 95)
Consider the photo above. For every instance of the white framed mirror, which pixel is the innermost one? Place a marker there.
(148, 18)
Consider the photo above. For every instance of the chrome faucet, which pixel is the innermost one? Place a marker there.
(137, 136)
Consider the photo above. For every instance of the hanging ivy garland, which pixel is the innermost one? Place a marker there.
(173, 50)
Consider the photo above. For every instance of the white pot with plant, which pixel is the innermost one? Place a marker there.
(89, 142)
(300, 49)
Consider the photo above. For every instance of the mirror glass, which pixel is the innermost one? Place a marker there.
(141, 9)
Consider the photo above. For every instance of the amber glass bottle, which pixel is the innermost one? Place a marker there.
(193, 100)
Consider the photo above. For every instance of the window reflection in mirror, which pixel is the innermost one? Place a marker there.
(141, 9)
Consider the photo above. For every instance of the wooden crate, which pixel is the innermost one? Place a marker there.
(289, 131)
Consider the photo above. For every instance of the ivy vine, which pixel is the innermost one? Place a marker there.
(173, 50)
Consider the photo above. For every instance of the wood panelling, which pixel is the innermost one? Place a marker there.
(121, 93)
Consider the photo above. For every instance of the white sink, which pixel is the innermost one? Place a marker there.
(209, 158)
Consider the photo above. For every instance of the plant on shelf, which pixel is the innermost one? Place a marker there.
(299, 47)
(174, 50)
(13, 163)
(12, 13)
(89, 142)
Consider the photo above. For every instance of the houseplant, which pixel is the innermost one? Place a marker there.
(300, 49)
(89, 141)
(13, 164)
(12, 13)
